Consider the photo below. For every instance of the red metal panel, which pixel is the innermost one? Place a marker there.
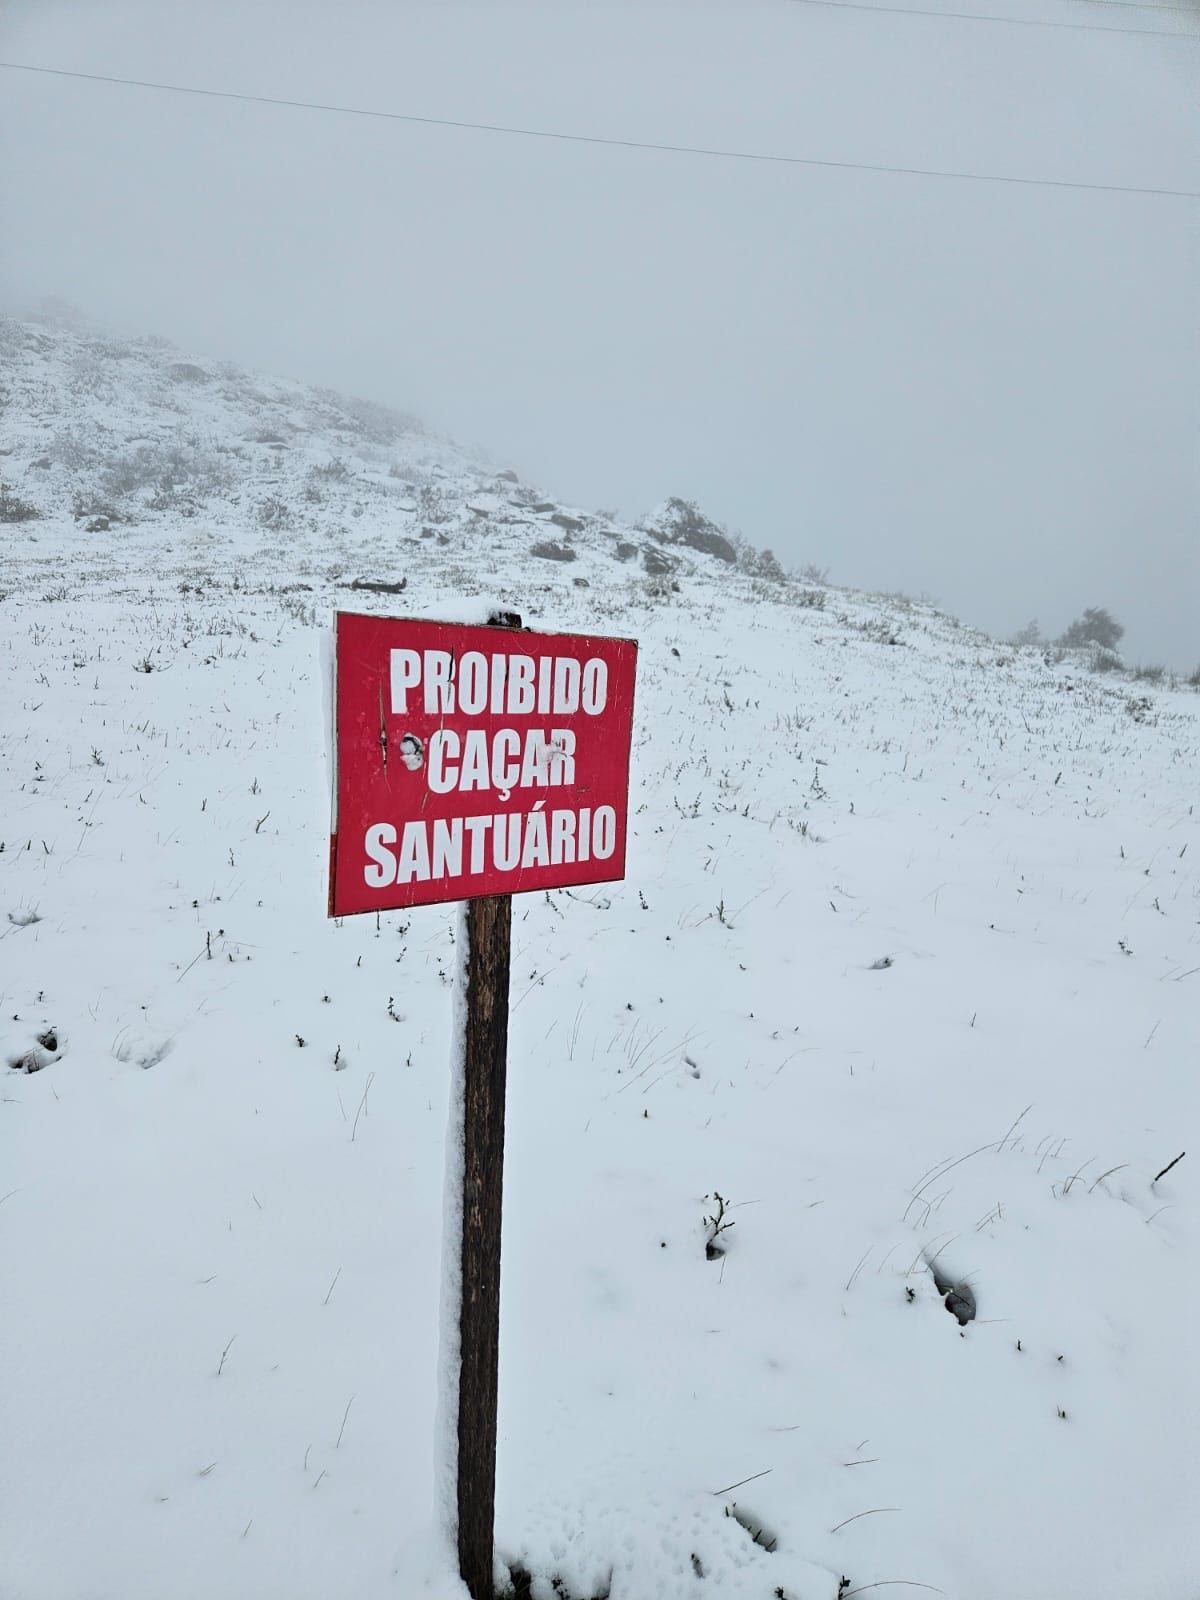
(476, 761)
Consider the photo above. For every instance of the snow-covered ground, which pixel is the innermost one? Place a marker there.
(906, 969)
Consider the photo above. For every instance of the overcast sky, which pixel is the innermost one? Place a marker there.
(985, 392)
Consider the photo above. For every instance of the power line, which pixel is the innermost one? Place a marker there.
(597, 139)
(1140, 5)
(1012, 22)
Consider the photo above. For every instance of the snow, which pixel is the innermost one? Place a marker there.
(223, 1248)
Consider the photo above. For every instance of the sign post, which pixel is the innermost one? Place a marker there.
(471, 765)
(489, 925)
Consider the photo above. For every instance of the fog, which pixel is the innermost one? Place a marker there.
(984, 392)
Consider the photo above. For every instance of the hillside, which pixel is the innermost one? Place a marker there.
(181, 459)
(904, 972)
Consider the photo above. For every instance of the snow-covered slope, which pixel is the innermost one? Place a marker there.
(182, 460)
(906, 970)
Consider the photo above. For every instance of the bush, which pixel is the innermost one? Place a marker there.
(1029, 637)
(432, 505)
(88, 375)
(90, 505)
(658, 586)
(765, 564)
(76, 450)
(1105, 661)
(878, 630)
(274, 513)
(13, 508)
(1139, 707)
(1149, 674)
(166, 468)
(1096, 626)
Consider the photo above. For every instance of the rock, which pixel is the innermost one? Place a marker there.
(684, 523)
(552, 550)
(375, 585)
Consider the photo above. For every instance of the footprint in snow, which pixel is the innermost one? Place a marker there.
(33, 1048)
(959, 1297)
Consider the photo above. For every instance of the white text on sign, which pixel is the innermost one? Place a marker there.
(500, 683)
(505, 842)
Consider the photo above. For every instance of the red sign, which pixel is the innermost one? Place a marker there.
(475, 761)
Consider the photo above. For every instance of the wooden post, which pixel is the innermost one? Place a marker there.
(489, 925)
(486, 964)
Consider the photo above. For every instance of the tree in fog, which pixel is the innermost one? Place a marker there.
(1030, 634)
(1095, 627)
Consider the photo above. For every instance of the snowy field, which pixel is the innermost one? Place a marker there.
(905, 969)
